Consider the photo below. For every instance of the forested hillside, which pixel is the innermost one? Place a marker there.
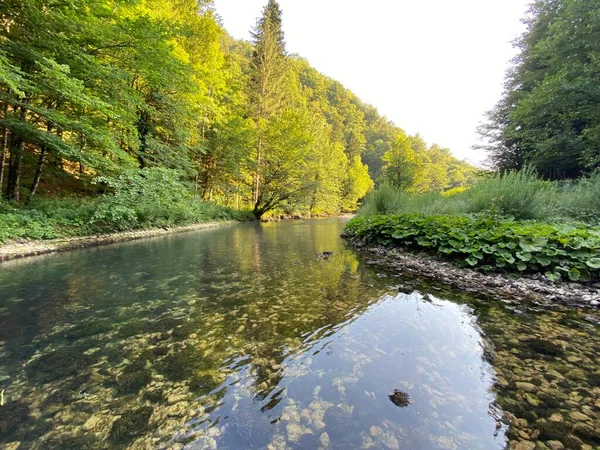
(95, 95)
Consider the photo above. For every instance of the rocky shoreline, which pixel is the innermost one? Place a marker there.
(534, 288)
(16, 250)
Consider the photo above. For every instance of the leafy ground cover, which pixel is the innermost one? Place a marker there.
(558, 250)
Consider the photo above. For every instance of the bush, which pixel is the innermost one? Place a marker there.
(519, 195)
(558, 250)
(136, 199)
(516, 194)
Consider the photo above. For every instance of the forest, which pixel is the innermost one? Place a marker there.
(549, 115)
(117, 115)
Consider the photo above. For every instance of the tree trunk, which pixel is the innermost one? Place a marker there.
(143, 127)
(17, 148)
(38, 174)
(257, 173)
(38, 169)
(14, 168)
(3, 150)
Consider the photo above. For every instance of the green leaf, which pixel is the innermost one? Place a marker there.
(524, 256)
(521, 266)
(553, 276)
(593, 263)
(544, 261)
(574, 274)
(472, 261)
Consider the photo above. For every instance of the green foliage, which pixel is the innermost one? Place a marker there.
(92, 92)
(558, 250)
(519, 195)
(136, 199)
(548, 116)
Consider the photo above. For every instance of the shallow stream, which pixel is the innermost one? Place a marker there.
(249, 336)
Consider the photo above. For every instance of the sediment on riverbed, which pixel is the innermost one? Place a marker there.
(15, 250)
(534, 288)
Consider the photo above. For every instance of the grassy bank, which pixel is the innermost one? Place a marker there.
(520, 195)
(130, 202)
(513, 223)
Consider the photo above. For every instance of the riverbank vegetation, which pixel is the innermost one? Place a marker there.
(153, 97)
(512, 222)
(139, 199)
(540, 211)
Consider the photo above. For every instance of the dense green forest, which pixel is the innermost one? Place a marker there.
(151, 102)
(549, 114)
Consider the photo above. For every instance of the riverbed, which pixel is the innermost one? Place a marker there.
(279, 335)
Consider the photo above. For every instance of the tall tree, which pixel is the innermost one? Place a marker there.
(549, 115)
(269, 76)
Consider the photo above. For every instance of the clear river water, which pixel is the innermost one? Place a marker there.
(250, 336)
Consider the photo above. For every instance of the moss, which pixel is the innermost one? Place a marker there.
(70, 442)
(12, 415)
(588, 432)
(65, 361)
(133, 377)
(153, 353)
(130, 425)
(559, 431)
(181, 365)
(154, 396)
(544, 347)
(549, 400)
(203, 384)
(132, 382)
(134, 329)
(184, 330)
(165, 324)
(159, 338)
(594, 379)
(88, 329)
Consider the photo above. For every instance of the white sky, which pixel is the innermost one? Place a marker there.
(431, 66)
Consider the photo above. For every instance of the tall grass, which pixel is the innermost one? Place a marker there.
(521, 195)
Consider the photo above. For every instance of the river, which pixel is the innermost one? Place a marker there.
(250, 336)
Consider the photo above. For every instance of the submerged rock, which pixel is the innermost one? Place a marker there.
(399, 398)
(134, 377)
(131, 424)
(12, 415)
(61, 363)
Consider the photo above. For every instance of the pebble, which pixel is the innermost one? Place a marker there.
(527, 387)
(524, 445)
(580, 417)
(293, 432)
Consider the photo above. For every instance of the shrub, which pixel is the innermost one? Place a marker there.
(136, 199)
(520, 195)
(558, 250)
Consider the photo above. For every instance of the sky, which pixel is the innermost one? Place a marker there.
(433, 67)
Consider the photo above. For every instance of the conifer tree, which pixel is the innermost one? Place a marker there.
(269, 75)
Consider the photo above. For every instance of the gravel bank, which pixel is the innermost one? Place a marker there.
(535, 288)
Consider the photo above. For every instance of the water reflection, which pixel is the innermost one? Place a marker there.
(243, 337)
(336, 387)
